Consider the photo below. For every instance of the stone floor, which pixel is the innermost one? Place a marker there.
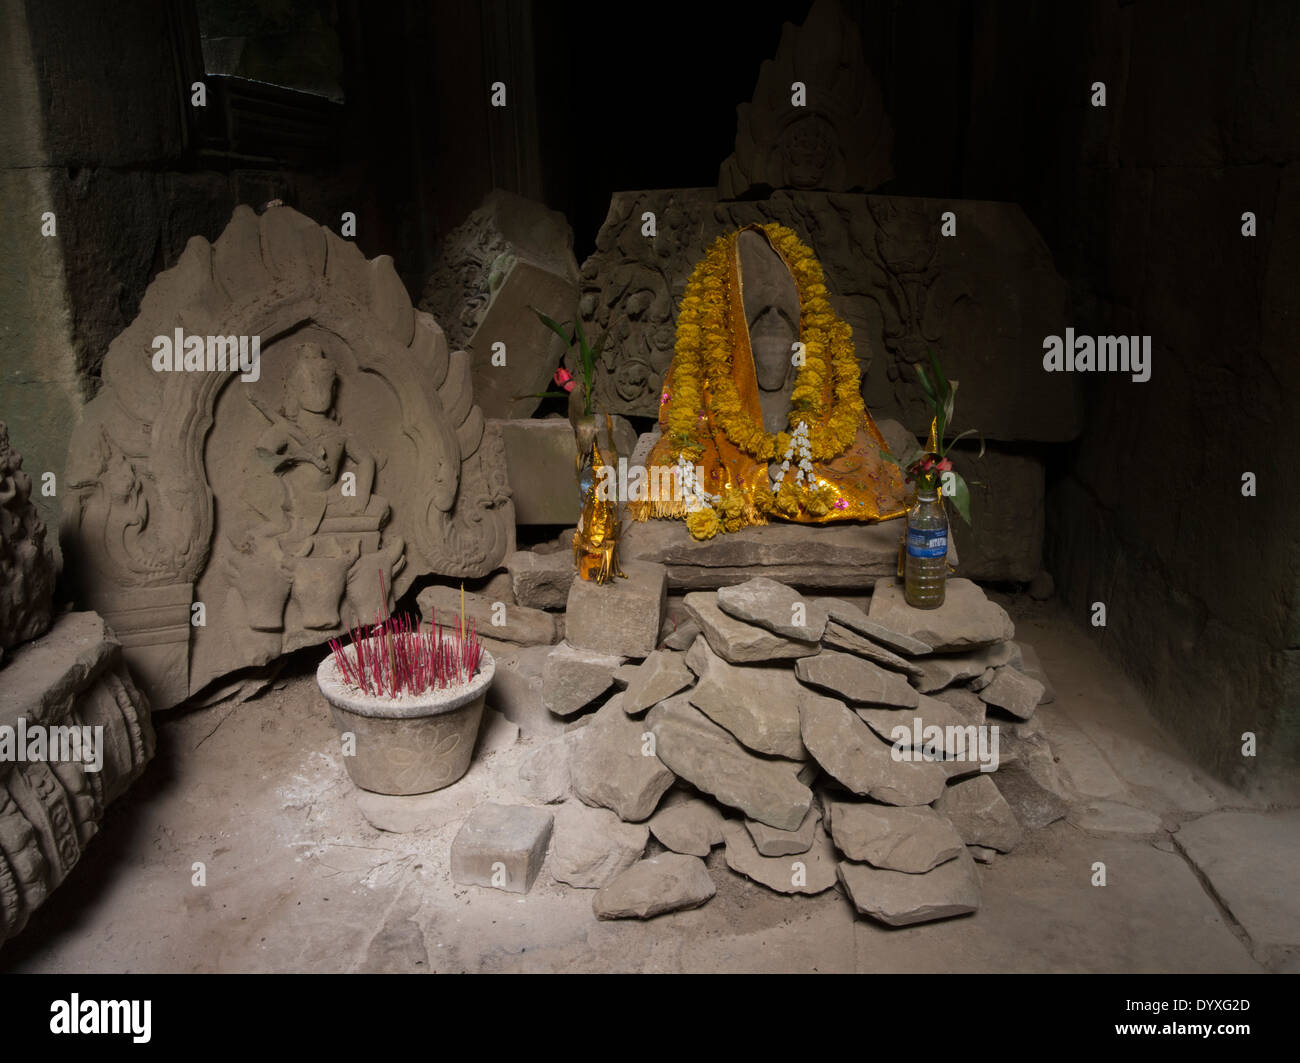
(1197, 877)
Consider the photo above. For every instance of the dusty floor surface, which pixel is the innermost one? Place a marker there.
(298, 880)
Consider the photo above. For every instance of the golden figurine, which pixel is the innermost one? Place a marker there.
(595, 543)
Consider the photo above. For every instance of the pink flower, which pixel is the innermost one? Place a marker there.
(565, 379)
(944, 465)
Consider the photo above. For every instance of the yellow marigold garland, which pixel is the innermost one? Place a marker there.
(703, 357)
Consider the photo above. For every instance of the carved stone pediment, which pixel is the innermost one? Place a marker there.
(278, 498)
(817, 120)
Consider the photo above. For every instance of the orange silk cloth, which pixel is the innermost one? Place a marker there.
(864, 485)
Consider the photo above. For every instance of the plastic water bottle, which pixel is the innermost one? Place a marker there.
(926, 564)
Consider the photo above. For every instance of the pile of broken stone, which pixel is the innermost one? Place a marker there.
(764, 721)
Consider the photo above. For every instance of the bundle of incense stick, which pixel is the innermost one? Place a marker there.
(395, 656)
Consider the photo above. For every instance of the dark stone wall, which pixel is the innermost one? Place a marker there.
(1142, 203)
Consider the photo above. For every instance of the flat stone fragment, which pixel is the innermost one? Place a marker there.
(942, 670)
(590, 846)
(981, 853)
(809, 872)
(609, 766)
(982, 680)
(682, 635)
(1252, 860)
(772, 842)
(692, 827)
(1103, 816)
(759, 705)
(544, 773)
(1034, 805)
(515, 836)
(668, 882)
(698, 656)
(980, 814)
(710, 759)
(966, 702)
(516, 691)
(775, 606)
(847, 749)
(856, 680)
(824, 556)
(966, 619)
(541, 580)
(573, 678)
(659, 676)
(912, 840)
(740, 642)
(900, 899)
(838, 637)
(622, 617)
(1014, 691)
(501, 620)
(850, 616)
(958, 738)
(1033, 667)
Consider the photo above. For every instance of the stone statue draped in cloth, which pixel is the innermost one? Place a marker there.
(763, 396)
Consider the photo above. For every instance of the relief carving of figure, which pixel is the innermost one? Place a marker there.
(315, 522)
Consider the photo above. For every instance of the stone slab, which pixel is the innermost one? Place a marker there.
(1252, 861)
(856, 679)
(669, 882)
(772, 842)
(846, 748)
(710, 759)
(573, 678)
(498, 619)
(691, 826)
(590, 846)
(966, 620)
(611, 768)
(758, 704)
(541, 580)
(622, 617)
(809, 872)
(912, 840)
(980, 814)
(899, 899)
(775, 606)
(824, 557)
(738, 641)
(501, 847)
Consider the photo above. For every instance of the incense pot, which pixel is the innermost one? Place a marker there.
(411, 744)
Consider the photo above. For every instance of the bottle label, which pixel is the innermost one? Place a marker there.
(923, 542)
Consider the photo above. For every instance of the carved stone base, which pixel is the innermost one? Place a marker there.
(73, 676)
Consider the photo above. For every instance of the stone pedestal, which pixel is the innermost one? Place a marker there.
(811, 557)
(621, 618)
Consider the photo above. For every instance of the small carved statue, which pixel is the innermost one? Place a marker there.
(595, 543)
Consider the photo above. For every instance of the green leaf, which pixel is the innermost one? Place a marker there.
(963, 435)
(544, 395)
(550, 324)
(947, 406)
(925, 384)
(941, 381)
(960, 497)
(583, 349)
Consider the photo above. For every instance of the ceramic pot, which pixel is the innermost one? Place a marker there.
(409, 745)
